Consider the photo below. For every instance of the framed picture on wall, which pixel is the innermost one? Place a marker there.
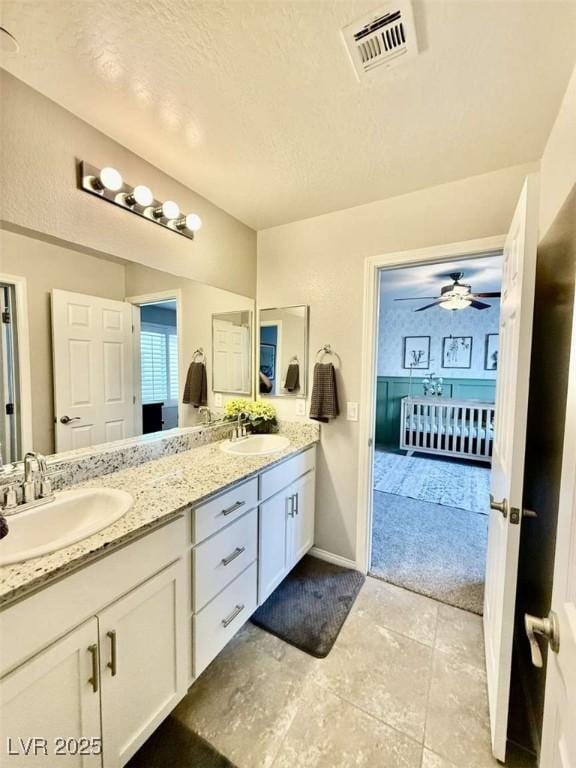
(491, 352)
(457, 352)
(268, 360)
(417, 352)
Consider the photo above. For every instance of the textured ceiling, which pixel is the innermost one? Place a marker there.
(483, 274)
(256, 106)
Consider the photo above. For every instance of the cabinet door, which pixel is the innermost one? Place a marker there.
(54, 696)
(301, 526)
(142, 661)
(273, 551)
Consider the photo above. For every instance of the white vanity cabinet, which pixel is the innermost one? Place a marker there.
(52, 697)
(244, 542)
(111, 679)
(286, 520)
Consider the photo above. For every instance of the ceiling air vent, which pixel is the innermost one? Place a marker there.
(382, 38)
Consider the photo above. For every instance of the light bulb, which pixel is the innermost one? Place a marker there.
(193, 222)
(168, 210)
(111, 179)
(456, 303)
(141, 195)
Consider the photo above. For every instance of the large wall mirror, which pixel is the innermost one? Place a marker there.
(97, 349)
(283, 351)
(232, 352)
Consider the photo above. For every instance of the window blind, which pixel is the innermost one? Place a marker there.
(159, 364)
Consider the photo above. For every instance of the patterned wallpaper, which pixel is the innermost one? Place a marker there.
(396, 323)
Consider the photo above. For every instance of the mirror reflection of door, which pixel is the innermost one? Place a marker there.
(231, 352)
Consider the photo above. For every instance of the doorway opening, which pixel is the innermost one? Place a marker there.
(159, 384)
(437, 357)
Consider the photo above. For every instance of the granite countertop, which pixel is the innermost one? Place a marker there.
(161, 489)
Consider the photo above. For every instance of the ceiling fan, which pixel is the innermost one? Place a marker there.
(455, 296)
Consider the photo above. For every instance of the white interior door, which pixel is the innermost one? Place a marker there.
(516, 309)
(559, 735)
(231, 357)
(93, 370)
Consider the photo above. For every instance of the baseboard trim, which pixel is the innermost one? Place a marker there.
(329, 557)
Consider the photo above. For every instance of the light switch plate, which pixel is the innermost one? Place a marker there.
(300, 407)
(352, 411)
(218, 400)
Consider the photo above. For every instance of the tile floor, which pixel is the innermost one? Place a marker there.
(404, 687)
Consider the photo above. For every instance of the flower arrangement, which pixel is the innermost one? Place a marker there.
(260, 416)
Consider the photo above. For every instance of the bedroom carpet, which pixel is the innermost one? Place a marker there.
(310, 606)
(432, 549)
(450, 483)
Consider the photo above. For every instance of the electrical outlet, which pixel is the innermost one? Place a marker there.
(352, 411)
(218, 400)
(300, 407)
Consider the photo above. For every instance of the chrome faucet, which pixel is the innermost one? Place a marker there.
(33, 491)
(206, 414)
(240, 432)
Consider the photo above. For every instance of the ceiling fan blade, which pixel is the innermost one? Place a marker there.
(492, 295)
(417, 298)
(479, 305)
(434, 304)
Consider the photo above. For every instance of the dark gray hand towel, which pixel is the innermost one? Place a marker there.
(292, 383)
(324, 405)
(196, 387)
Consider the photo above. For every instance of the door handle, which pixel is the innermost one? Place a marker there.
(113, 663)
(290, 506)
(499, 506)
(297, 503)
(547, 628)
(93, 651)
(68, 419)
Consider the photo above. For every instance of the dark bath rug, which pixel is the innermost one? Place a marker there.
(172, 745)
(310, 606)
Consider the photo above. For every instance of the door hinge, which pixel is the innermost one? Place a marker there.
(133, 399)
(514, 515)
(6, 316)
(9, 409)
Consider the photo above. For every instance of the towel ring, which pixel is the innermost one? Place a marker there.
(327, 350)
(198, 352)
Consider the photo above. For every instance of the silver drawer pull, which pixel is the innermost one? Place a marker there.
(229, 619)
(237, 552)
(233, 508)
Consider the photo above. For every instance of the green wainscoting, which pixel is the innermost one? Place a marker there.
(391, 389)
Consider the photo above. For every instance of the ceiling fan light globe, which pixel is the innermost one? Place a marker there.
(455, 302)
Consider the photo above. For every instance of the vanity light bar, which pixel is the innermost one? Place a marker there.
(108, 184)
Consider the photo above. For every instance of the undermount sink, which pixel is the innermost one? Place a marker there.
(71, 517)
(256, 445)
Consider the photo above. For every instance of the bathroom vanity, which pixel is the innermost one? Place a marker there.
(99, 642)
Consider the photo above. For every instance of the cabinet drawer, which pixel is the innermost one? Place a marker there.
(216, 624)
(217, 561)
(215, 514)
(281, 476)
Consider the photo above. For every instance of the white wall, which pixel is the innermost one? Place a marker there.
(398, 322)
(558, 165)
(320, 262)
(41, 144)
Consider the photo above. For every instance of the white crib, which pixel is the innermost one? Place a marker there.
(440, 425)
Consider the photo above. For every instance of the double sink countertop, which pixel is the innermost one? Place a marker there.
(161, 489)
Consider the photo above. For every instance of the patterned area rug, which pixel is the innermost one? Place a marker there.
(310, 606)
(431, 549)
(450, 483)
